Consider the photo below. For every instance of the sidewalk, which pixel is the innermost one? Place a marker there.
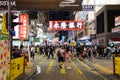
(30, 69)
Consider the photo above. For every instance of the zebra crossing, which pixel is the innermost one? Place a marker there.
(80, 70)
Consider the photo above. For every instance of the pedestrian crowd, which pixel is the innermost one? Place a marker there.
(64, 53)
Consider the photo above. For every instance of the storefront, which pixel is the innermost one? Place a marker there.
(106, 24)
(86, 40)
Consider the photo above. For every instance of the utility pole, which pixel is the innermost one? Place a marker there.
(9, 29)
(9, 26)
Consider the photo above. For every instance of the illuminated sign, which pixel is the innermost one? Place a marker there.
(66, 25)
(23, 32)
(117, 21)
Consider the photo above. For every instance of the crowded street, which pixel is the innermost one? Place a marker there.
(59, 39)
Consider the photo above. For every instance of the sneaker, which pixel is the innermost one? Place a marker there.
(68, 68)
(60, 67)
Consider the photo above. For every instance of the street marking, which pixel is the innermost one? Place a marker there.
(63, 71)
(50, 67)
(89, 68)
(38, 56)
(104, 69)
(43, 61)
(76, 68)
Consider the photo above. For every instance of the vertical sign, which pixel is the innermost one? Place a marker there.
(23, 31)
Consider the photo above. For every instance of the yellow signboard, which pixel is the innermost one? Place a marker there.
(4, 30)
(117, 65)
(17, 67)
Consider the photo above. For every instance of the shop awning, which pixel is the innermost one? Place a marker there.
(115, 39)
(84, 38)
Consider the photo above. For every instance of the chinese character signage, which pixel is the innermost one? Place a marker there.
(66, 25)
(23, 31)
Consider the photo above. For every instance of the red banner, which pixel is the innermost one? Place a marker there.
(23, 30)
(66, 25)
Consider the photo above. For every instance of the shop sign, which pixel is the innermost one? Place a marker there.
(92, 36)
(117, 21)
(101, 41)
(66, 25)
(117, 65)
(36, 39)
(116, 29)
(23, 32)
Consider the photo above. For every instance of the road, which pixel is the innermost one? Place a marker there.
(47, 69)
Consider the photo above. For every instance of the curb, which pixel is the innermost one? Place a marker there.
(30, 75)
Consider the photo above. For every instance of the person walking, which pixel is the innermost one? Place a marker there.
(32, 52)
(108, 51)
(68, 56)
(50, 52)
(60, 58)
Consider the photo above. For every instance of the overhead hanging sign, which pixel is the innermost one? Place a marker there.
(66, 25)
(41, 4)
(23, 30)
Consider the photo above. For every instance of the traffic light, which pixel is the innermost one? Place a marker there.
(0, 21)
(13, 23)
(0, 18)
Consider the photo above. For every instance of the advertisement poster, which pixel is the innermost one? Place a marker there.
(4, 59)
